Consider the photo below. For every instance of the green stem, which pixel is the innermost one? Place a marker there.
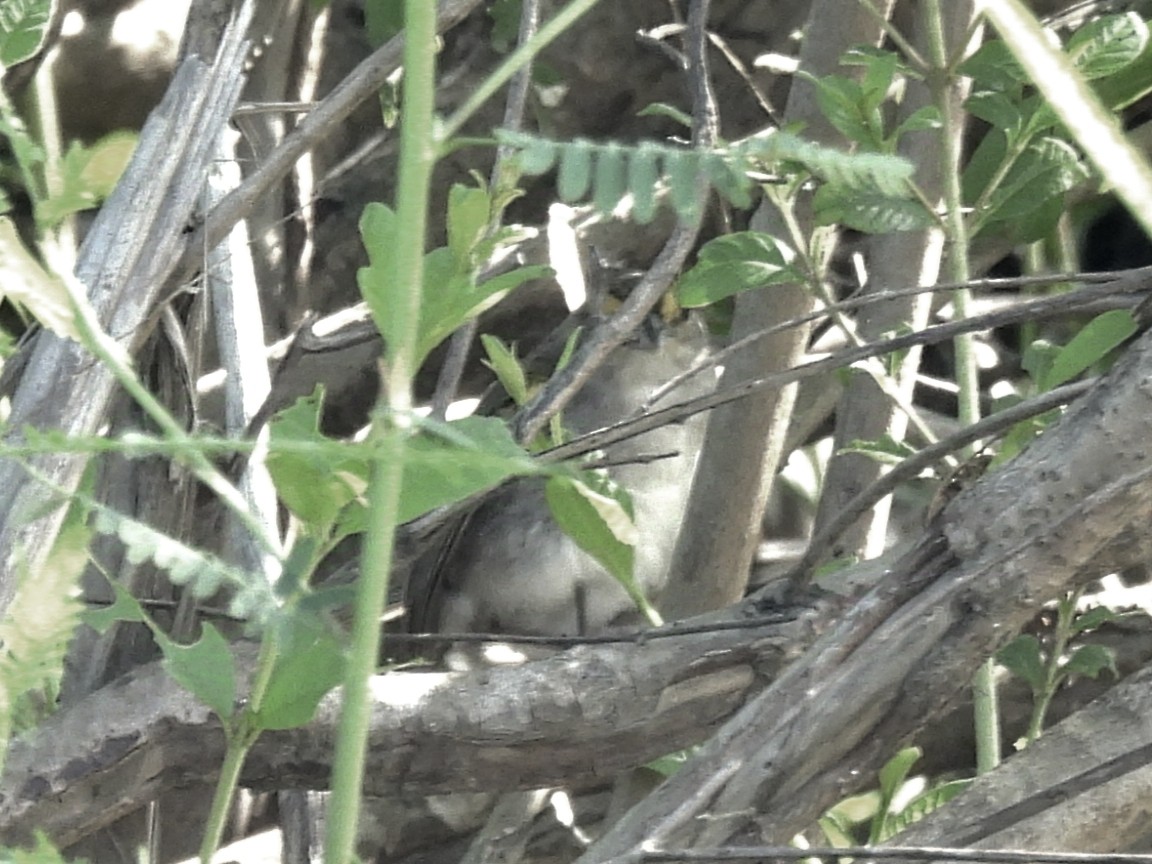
(515, 61)
(226, 785)
(242, 734)
(1065, 616)
(391, 427)
(984, 696)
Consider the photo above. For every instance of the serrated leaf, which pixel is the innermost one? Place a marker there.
(1022, 657)
(872, 212)
(1095, 340)
(87, 176)
(451, 298)
(1107, 45)
(205, 668)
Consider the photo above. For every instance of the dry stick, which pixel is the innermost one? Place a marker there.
(880, 853)
(361, 83)
(1133, 280)
(988, 427)
(563, 386)
(937, 333)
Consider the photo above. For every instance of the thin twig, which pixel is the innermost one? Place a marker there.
(601, 342)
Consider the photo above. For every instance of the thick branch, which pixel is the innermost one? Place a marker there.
(582, 716)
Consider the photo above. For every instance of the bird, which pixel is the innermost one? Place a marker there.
(510, 568)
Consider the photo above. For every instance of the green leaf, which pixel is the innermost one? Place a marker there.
(841, 101)
(1090, 660)
(505, 15)
(872, 212)
(1092, 344)
(1108, 45)
(452, 298)
(597, 515)
(892, 777)
(1129, 85)
(993, 65)
(643, 179)
(729, 180)
(920, 806)
(469, 213)
(610, 182)
(310, 663)
(383, 19)
(925, 119)
(450, 461)
(204, 668)
(124, 607)
(1022, 657)
(663, 109)
(984, 165)
(450, 295)
(1047, 168)
(673, 762)
(681, 167)
(315, 485)
(886, 450)
(23, 25)
(87, 176)
(997, 108)
(503, 361)
(1092, 618)
(377, 281)
(24, 279)
(534, 155)
(201, 571)
(895, 771)
(575, 170)
(734, 263)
